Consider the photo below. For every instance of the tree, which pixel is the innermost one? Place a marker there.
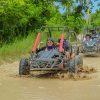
(95, 19)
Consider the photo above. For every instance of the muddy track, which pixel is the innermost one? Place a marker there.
(14, 87)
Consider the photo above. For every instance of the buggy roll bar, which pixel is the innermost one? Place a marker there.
(63, 29)
(36, 42)
(61, 43)
(50, 28)
(38, 37)
(74, 33)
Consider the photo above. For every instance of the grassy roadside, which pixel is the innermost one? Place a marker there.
(14, 51)
(20, 48)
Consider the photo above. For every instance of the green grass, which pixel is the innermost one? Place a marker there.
(16, 50)
(21, 48)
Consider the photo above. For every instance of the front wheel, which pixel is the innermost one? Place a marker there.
(24, 68)
(75, 63)
(71, 66)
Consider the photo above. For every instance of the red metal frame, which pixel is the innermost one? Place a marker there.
(61, 43)
(36, 42)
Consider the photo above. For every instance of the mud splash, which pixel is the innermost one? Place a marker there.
(84, 73)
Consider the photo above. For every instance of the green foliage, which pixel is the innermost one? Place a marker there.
(95, 19)
(18, 18)
(15, 50)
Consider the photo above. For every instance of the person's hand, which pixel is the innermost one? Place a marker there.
(41, 43)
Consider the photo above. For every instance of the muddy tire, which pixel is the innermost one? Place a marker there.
(80, 61)
(72, 66)
(81, 49)
(24, 68)
(75, 63)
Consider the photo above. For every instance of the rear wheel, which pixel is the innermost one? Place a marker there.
(24, 68)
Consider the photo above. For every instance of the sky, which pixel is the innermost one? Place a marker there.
(95, 7)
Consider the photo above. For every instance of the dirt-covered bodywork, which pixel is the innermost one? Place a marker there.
(54, 59)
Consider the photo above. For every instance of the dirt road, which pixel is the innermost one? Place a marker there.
(13, 87)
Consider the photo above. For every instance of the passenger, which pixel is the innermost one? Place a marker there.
(67, 49)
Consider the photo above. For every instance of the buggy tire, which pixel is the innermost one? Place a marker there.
(72, 66)
(75, 63)
(79, 60)
(24, 68)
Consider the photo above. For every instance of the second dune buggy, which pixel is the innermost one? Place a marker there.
(90, 45)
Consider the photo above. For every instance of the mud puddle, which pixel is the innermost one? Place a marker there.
(45, 87)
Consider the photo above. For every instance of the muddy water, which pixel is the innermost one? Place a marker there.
(13, 87)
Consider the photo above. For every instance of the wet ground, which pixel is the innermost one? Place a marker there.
(14, 87)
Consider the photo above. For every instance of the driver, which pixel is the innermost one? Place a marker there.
(87, 38)
(50, 44)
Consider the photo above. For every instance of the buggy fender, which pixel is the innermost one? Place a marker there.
(36, 42)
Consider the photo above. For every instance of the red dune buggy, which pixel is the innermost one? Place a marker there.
(52, 60)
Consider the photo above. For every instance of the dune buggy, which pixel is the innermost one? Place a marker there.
(91, 47)
(52, 60)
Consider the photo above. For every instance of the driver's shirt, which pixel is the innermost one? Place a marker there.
(50, 47)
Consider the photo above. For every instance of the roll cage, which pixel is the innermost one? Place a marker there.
(49, 29)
